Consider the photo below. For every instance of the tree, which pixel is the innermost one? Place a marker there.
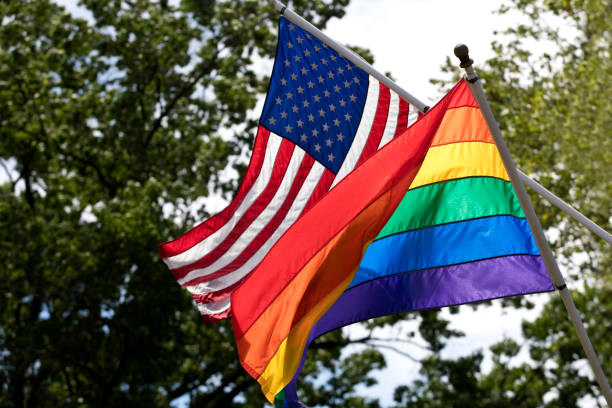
(111, 127)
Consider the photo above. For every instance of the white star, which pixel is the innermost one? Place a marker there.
(284, 115)
(314, 66)
(349, 67)
(294, 77)
(342, 102)
(283, 81)
(331, 157)
(278, 100)
(310, 84)
(299, 40)
(340, 137)
(356, 80)
(300, 123)
(320, 78)
(289, 45)
(326, 93)
(317, 98)
(295, 108)
(347, 84)
(287, 63)
(321, 112)
(304, 71)
(336, 88)
(306, 104)
(310, 117)
(304, 138)
(297, 58)
(316, 48)
(288, 128)
(289, 95)
(325, 127)
(315, 132)
(336, 122)
(291, 27)
(300, 89)
(330, 74)
(307, 53)
(353, 98)
(308, 36)
(332, 107)
(332, 57)
(272, 121)
(347, 117)
(328, 142)
(317, 147)
(340, 70)
(324, 61)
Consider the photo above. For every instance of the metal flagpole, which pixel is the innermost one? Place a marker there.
(563, 206)
(357, 60)
(461, 51)
(347, 53)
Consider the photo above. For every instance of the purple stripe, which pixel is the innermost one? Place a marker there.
(431, 288)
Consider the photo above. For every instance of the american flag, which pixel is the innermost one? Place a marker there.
(323, 116)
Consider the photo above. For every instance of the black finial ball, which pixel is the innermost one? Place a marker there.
(463, 53)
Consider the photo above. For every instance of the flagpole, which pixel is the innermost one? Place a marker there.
(568, 209)
(347, 53)
(461, 51)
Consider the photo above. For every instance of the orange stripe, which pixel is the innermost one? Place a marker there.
(465, 124)
(285, 362)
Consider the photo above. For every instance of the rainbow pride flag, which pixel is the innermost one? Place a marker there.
(457, 235)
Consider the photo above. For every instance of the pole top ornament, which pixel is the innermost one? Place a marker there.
(463, 53)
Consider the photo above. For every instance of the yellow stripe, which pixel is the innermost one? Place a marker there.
(285, 362)
(459, 160)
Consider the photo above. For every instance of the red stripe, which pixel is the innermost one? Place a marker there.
(402, 117)
(217, 295)
(197, 234)
(327, 178)
(378, 126)
(216, 317)
(265, 232)
(280, 166)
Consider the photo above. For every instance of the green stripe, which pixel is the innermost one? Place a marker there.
(452, 201)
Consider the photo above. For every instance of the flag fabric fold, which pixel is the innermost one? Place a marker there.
(323, 116)
(459, 234)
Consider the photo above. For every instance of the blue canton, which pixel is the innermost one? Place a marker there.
(315, 98)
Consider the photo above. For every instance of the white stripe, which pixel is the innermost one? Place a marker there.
(315, 174)
(391, 120)
(258, 223)
(413, 115)
(214, 307)
(209, 243)
(363, 132)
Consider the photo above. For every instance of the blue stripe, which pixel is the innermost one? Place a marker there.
(448, 244)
